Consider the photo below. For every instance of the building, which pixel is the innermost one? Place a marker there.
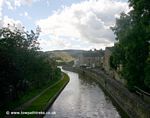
(106, 65)
(76, 63)
(91, 58)
(107, 54)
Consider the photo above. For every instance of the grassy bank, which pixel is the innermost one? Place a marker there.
(30, 94)
(48, 97)
(27, 96)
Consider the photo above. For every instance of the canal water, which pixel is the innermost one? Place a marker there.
(82, 98)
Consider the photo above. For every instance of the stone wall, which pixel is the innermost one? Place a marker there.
(127, 101)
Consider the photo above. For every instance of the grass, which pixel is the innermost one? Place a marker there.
(46, 98)
(26, 96)
(30, 94)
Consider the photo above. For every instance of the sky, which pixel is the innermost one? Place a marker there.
(65, 24)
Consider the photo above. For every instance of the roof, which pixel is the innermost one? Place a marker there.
(97, 53)
(109, 48)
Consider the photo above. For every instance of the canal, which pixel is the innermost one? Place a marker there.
(82, 98)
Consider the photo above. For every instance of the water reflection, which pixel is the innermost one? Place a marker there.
(82, 98)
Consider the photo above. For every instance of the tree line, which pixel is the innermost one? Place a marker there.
(22, 66)
(132, 49)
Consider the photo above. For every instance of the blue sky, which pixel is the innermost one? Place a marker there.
(65, 24)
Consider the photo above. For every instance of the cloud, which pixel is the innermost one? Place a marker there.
(12, 23)
(48, 2)
(25, 14)
(8, 3)
(87, 21)
(13, 4)
(1, 4)
(55, 44)
(18, 3)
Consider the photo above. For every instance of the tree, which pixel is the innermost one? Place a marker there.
(133, 34)
(22, 66)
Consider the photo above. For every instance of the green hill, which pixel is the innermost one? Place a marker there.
(64, 55)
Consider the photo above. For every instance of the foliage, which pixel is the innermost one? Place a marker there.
(132, 32)
(22, 66)
(48, 96)
(117, 56)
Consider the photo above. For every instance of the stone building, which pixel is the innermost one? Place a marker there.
(91, 58)
(106, 65)
(107, 54)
